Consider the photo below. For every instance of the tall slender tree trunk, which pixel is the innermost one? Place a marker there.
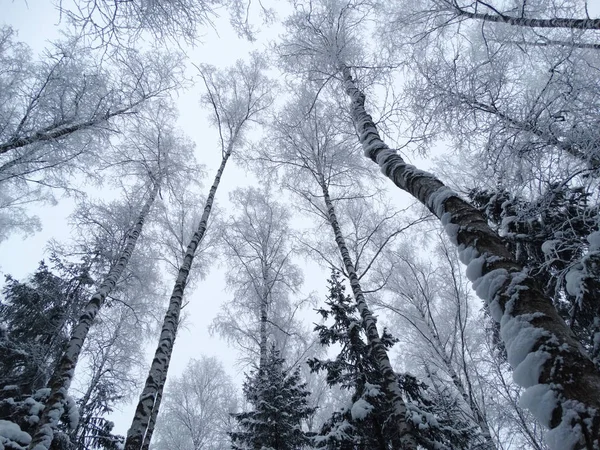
(162, 356)
(562, 385)
(264, 304)
(154, 415)
(557, 22)
(404, 427)
(63, 375)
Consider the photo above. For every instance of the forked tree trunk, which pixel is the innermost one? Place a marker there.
(63, 375)
(404, 427)
(162, 356)
(562, 386)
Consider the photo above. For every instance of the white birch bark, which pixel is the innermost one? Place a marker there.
(556, 22)
(162, 356)
(404, 426)
(154, 415)
(562, 385)
(63, 375)
(264, 303)
(56, 132)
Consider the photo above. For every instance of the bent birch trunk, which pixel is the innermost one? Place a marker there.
(162, 356)
(392, 388)
(562, 386)
(63, 375)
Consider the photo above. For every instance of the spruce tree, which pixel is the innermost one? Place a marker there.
(550, 236)
(280, 403)
(35, 320)
(364, 424)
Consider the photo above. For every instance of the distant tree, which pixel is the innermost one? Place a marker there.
(262, 276)
(195, 408)
(107, 374)
(316, 152)
(430, 300)
(279, 402)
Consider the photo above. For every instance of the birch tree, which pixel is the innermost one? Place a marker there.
(431, 301)
(554, 367)
(154, 148)
(311, 149)
(560, 15)
(237, 97)
(522, 117)
(59, 111)
(196, 408)
(262, 275)
(557, 373)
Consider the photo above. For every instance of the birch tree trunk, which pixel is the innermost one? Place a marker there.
(562, 385)
(56, 132)
(264, 317)
(557, 22)
(404, 427)
(63, 375)
(154, 416)
(162, 356)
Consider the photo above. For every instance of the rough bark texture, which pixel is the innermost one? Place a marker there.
(549, 361)
(557, 22)
(405, 430)
(63, 375)
(154, 415)
(162, 356)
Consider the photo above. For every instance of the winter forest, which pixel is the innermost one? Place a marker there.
(299, 224)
